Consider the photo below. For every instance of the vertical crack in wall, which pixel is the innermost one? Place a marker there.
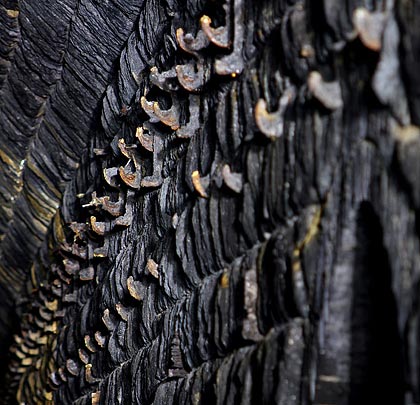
(376, 354)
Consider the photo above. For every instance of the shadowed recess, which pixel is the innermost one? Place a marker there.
(376, 357)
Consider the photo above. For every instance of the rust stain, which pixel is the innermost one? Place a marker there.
(12, 13)
(312, 231)
(33, 167)
(224, 280)
(9, 161)
(196, 180)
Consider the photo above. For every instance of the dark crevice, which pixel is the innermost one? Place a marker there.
(8, 326)
(376, 374)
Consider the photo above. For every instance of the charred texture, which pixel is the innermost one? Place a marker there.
(209, 202)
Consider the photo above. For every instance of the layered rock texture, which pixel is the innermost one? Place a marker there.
(209, 201)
